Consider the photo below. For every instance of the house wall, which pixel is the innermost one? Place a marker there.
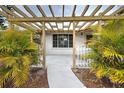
(80, 39)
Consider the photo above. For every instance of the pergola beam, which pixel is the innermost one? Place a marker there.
(9, 14)
(43, 13)
(107, 10)
(73, 14)
(19, 11)
(31, 22)
(61, 30)
(12, 14)
(32, 13)
(92, 14)
(83, 13)
(118, 10)
(23, 14)
(25, 26)
(19, 24)
(101, 14)
(85, 10)
(96, 10)
(41, 10)
(65, 19)
(29, 10)
(51, 10)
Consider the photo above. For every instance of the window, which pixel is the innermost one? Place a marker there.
(62, 40)
(89, 37)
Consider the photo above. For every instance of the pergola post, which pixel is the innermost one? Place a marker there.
(100, 25)
(44, 45)
(31, 37)
(11, 26)
(74, 48)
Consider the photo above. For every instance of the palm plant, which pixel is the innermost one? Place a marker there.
(108, 52)
(15, 58)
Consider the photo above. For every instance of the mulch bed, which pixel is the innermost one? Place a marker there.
(90, 80)
(38, 79)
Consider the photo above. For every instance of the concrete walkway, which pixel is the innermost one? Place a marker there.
(60, 74)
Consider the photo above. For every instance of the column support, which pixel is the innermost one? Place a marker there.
(100, 25)
(11, 25)
(44, 45)
(31, 37)
(74, 46)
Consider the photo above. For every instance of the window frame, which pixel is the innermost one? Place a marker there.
(57, 40)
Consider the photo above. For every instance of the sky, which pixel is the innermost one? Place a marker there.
(68, 9)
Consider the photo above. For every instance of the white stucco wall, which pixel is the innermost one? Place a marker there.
(80, 39)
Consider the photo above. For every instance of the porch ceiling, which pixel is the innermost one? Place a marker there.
(60, 17)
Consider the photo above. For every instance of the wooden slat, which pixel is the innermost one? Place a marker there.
(13, 14)
(19, 24)
(41, 10)
(50, 7)
(51, 10)
(11, 25)
(29, 10)
(73, 14)
(25, 26)
(92, 14)
(84, 11)
(102, 14)
(107, 10)
(23, 14)
(118, 10)
(96, 10)
(3, 14)
(43, 14)
(61, 30)
(65, 19)
(9, 13)
(19, 11)
(32, 13)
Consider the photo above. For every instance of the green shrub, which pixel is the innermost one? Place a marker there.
(17, 53)
(108, 52)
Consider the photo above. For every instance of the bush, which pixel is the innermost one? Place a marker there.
(108, 52)
(16, 56)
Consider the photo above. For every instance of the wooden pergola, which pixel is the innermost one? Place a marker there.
(40, 24)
